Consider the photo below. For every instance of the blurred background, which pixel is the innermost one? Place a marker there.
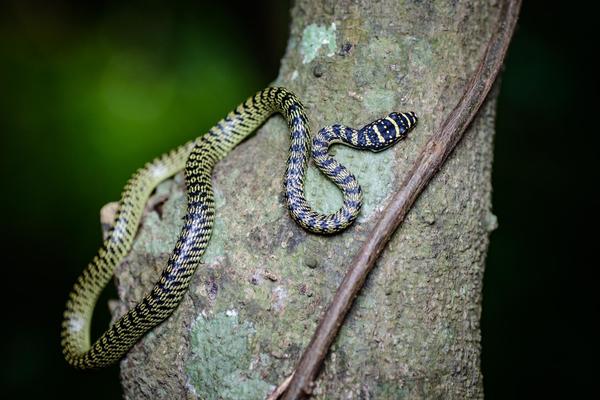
(90, 85)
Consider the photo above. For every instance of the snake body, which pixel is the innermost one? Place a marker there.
(198, 158)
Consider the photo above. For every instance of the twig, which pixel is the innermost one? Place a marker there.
(281, 388)
(431, 159)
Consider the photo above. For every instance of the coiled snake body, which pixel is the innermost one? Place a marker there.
(198, 157)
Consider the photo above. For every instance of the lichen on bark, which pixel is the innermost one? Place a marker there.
(254, 302)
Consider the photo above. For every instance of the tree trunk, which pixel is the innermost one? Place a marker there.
(255, 301)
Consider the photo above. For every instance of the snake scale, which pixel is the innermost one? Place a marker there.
(198, 157)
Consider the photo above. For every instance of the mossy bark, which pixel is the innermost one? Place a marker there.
(255, 301)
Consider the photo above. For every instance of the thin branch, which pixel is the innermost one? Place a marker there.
(431, 159)
(279, 390)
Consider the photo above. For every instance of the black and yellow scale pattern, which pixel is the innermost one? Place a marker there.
(198, 158)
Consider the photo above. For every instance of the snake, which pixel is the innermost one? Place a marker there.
(197, 158)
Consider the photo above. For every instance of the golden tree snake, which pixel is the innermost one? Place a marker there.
(198, 157)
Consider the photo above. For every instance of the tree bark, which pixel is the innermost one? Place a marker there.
(254, 303)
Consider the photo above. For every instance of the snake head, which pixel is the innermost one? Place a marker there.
(387, 131)
(404, 121)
